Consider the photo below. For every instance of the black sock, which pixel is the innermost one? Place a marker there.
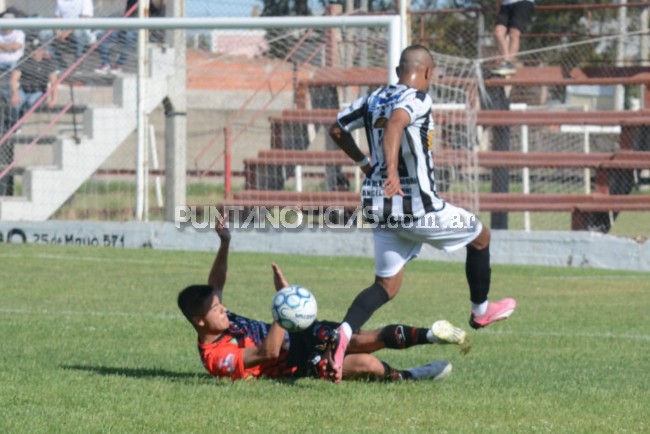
(477, 270)
(397, 336)
(364, 305)
(391, 374)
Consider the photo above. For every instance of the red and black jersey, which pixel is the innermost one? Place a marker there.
(224, 356)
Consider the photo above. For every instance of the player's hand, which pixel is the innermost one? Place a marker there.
(278, 278)
(222, 230)
(392, 185)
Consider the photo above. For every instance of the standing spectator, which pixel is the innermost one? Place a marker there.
(12, 45)
(127, 39)
(81, 37)
(30, 80)
(512, 20)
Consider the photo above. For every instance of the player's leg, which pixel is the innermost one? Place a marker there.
(451, 229)
(392, 252)
(366, 366)
(479, 273)
(400, 336)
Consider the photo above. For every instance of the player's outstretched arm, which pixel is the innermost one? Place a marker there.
(346, 142)
(278, 278)
(399, 120)
(269, 349)
(217, 277)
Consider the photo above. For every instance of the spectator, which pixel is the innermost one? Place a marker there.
(81, 37)
(512, 19)
(12, 45)
(127, 39)
(30, 80)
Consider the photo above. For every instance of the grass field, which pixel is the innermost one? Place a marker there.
(92, 342)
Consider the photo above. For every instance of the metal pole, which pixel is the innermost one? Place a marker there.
(155, 165)
(175, 23)
(644, 46)
(141, 148)
(394, 48)
(404, 20)
(176, 117)
(227, 183)
(619, 96)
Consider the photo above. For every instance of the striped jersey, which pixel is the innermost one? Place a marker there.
(415, 166)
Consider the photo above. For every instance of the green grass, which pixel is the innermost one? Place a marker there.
(92, 342)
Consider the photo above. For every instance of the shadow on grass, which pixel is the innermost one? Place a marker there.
(144, 373)
(179, 377)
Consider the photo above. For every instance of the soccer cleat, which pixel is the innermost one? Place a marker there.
(336, 354)
(505, 69)
(117, 69)
(496, 311)
(446, 333)
(433, 371)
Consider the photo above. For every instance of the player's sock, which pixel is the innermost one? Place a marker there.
(397, 336)
(346, 329)
(391, 374)
(364, 305)
(477, 270)
(480, 308)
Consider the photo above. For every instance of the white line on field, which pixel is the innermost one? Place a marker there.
(10, 311)
(102, 259)
(621, 276)
(169, 316)
(572, 335)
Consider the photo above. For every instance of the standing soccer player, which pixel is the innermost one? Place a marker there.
(399, 195)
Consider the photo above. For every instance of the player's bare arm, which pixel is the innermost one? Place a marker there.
(269, 349)
(346, 142)
(278, 278)
(398, 121)
(217, 277)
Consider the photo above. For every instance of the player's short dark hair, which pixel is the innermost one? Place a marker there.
(414, 47)
(192, 299)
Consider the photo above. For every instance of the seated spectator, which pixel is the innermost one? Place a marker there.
(30, 80)
(81, 37)
(127, 39)
(12, 45)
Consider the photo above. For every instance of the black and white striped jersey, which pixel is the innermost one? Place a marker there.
(415, 166)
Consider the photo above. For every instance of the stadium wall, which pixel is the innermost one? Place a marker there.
(563, 249)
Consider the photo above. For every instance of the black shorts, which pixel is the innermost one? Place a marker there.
(517, 15)
(307, 345)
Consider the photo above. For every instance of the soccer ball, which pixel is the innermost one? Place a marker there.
(294, 308)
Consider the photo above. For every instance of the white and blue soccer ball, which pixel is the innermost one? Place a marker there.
(294, 308)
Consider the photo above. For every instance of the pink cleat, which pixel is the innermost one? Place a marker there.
(335, 362)
(496, 311)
